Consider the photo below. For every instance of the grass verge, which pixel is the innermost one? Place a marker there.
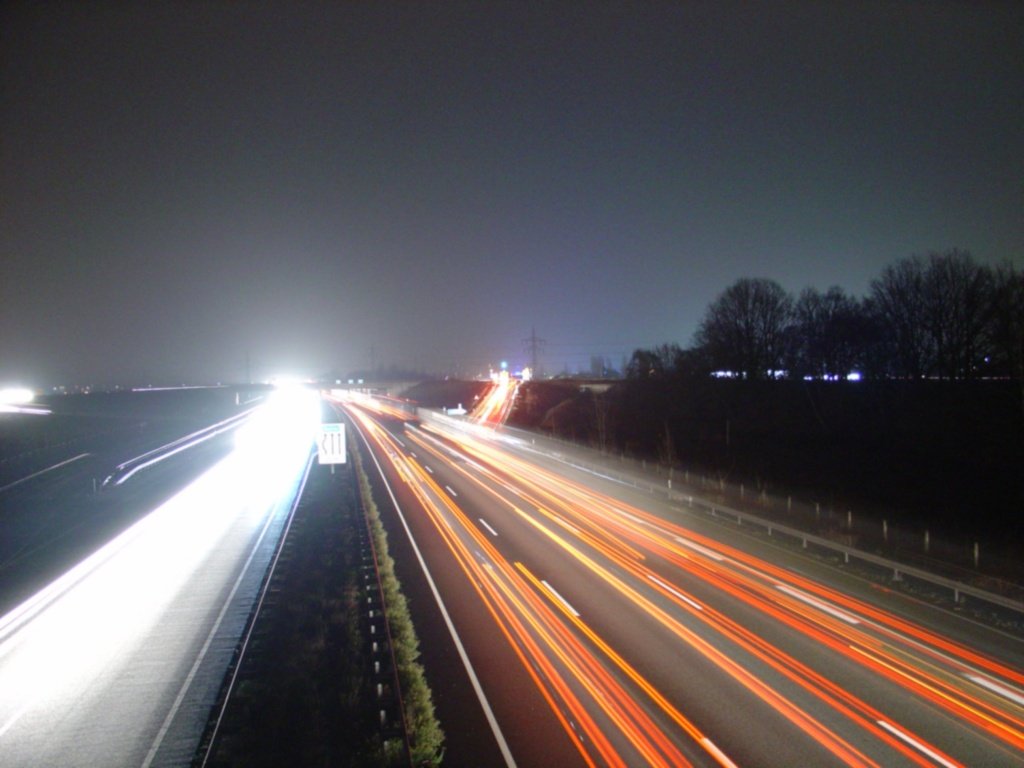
(424, 732)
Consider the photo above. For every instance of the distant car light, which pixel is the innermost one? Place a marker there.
(16, 396)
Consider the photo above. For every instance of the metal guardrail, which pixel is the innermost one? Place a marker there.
(899, 570)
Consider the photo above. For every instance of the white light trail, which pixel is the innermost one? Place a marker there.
(69, 636)
(821, 606)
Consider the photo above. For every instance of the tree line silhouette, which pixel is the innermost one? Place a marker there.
(939, 316)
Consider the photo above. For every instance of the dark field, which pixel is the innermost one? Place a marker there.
(944, 454)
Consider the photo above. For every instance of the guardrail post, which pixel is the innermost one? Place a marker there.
(789, 503)
(849, 519)
(885, 531)
(976, 554)
(896, 575)
(926, 540)
(741, 490)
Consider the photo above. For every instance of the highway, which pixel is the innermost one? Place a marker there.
(118, 661)
(597, 626)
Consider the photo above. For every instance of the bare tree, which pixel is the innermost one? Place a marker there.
(1006, 323)
(654, 363)
(957, 303)
(827, 333)
(897, 299)
(745, 329)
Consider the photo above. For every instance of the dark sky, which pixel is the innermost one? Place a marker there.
(182, 185)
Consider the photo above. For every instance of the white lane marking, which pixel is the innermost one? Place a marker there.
(703, 550)
(413, 454)
(916, 744)
(17, 716)
(43, 471)
(995, 687)
(473, 679)
(427, 467)
(560, 599)
(678, 594)
(568, 525)
(450, 490)
(485, 525)
(718, 754)
(821, 606)
(398, 441)
(634, 518)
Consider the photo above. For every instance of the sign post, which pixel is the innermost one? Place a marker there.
(330, 444)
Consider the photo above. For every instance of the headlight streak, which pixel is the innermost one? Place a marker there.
(658, 535)
(67, 636)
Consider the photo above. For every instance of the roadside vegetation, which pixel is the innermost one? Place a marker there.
(423, 729)
(306, 692)
(906, 404)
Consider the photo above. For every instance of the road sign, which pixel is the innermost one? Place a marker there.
(330, 444)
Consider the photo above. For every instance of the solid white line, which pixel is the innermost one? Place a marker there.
(817, 604)
(473, 679)
(560, 599)
(916, 744)
(213, 630)
(995, 687)
(450, 490)
(43, 471)
(17, 716)
(718, 754)
(485, 525)
(157, 459)
(680, 595)
(703, 550)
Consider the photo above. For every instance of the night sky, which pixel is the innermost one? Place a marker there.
(323, 186)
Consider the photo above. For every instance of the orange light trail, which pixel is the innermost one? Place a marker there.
(537, 634)
(617, 522)
(652, 549)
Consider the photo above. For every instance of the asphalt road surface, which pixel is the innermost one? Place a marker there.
(118, 662)
(595, 625)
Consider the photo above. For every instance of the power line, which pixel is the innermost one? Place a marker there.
(533, 345)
